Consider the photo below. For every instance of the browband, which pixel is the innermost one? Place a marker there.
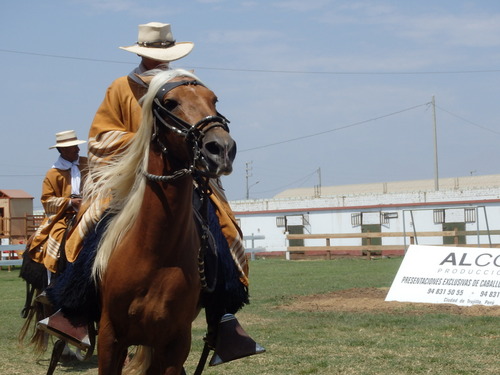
(172, 85)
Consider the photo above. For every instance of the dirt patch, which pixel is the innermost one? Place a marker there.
(373, 300)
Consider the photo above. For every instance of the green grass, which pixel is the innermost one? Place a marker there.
(300, 342)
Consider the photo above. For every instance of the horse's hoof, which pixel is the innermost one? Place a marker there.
(69, 357)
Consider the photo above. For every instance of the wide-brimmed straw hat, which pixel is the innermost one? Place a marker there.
(67, 138)
(156, 42)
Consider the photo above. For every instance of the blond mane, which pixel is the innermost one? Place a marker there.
(121, 181)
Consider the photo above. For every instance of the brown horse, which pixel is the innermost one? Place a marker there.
(148, 260)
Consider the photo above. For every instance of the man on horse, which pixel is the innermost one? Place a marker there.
(61, 200)
(114, 125)
(44, 256)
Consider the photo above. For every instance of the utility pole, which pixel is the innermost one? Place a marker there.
(248, 170)
(436, 173)
(317, 188)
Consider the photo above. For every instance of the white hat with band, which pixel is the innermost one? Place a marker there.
(67, 138)
(156, 42)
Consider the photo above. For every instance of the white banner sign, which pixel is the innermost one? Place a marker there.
(440, 274)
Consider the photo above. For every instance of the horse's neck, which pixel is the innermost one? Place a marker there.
(169, 202)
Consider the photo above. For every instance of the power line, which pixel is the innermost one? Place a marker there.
(66, 57)
(265, 70)
(302, 180)
(468, 121)
(22, 175)
(333, 130)
(349, 73)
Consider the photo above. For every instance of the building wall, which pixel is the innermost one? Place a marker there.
(407, 211)
(13, 223)
(19, 208)
(4, 203)
(4, 212)
(263, 224)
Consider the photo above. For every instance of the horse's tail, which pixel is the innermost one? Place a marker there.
(38, 339)
(140, 361)
(35, 276)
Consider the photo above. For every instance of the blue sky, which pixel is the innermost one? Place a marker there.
(339, 85)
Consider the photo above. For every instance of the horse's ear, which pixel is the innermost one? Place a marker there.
(146, 79)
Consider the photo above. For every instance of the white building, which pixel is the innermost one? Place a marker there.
(465, 203)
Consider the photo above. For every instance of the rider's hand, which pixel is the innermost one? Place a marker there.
(76, 203)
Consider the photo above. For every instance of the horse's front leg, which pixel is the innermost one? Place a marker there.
(110, 352)
(170, 359)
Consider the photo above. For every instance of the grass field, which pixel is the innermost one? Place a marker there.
(408, 340)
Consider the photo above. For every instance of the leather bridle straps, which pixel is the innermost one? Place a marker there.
(177, 124)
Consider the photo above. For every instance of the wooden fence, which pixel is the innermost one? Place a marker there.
(16, 230)
(368, 248)
(19, 228)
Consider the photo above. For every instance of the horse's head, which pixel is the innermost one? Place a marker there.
(185, 107)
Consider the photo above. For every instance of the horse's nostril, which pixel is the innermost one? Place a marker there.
(212, 147)
(219, 151)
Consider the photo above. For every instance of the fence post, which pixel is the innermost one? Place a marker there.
(287, 244)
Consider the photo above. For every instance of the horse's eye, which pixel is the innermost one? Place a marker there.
(170, 104)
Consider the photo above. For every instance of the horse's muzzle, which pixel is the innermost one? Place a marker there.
(219, 151)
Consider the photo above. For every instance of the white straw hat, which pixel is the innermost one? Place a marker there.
(66, 139)
(156, 42)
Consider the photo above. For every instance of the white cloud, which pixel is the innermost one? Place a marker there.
(110, 5)
(210, 1)
(242, 37)
(481, 30)
(302, 6)
(149, 11)
(456, 27)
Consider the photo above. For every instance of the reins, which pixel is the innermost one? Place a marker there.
(174, 176)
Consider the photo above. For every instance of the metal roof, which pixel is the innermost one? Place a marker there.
(455, 183)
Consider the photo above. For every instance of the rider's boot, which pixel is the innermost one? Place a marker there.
(232, 342)
(60, 326)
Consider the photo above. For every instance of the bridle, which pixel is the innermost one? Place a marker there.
(193, 133)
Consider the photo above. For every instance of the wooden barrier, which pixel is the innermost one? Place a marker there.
(369, 249)
(21, 227)
(13, 258)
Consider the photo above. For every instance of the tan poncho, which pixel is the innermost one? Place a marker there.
(56, 192)
(114, 125)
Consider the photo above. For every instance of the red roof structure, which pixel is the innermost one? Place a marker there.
(11, 193)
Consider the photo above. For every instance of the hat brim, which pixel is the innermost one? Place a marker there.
(68, 144)
(176, 52)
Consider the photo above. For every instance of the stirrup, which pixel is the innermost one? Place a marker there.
(59, 326)
(233, 342)
(43, 299)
